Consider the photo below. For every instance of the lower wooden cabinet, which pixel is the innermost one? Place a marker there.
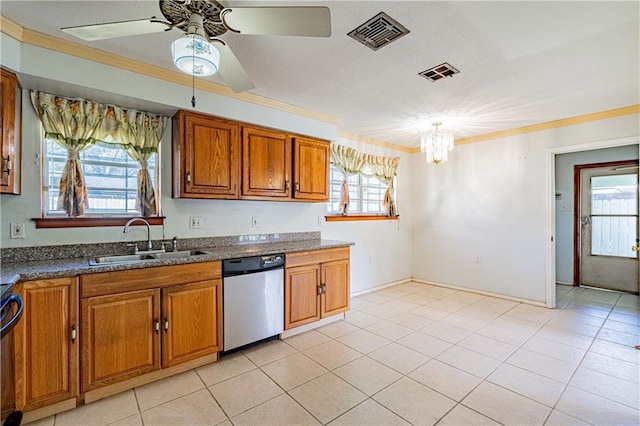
(316, 285)
(192, 322)
(132, 330)
(121, 337)
(46, 343)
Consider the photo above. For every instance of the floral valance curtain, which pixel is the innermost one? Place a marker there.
(351, 162)
(77, 124)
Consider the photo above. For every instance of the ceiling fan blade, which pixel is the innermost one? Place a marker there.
(116, 29)
(230, 68)
(311, 21)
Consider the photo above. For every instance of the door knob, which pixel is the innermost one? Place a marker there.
(635, 248)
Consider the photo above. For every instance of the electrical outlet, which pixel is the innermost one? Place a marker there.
(195, 222)
(254, 222)
(477, 259)
(17, 230)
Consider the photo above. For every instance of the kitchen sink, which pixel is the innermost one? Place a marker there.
(121, 258)
(137, 258)
(178, 254)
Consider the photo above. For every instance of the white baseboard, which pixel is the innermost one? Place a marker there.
(380, 287)
(485, 293)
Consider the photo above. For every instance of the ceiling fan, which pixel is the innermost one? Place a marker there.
(200, 51)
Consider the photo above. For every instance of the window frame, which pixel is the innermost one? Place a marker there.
(356, 216)
(58, 220)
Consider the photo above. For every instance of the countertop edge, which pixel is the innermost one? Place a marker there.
(60, 268)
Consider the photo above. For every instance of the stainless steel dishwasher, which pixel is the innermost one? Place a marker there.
(253, 299)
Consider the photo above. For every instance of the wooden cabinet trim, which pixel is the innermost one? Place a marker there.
(103, 283)
(316, 256)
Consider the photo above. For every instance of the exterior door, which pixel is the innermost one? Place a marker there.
(609, 228)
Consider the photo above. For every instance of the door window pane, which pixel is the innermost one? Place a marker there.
(614, 215)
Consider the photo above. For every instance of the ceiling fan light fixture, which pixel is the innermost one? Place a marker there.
(193, 54)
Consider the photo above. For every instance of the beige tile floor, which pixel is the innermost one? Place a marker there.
(414, 354)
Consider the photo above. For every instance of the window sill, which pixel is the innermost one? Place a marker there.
(353, 217)
(90, 222)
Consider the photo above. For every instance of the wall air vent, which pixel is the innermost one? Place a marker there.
(438, 72)
(378, 31)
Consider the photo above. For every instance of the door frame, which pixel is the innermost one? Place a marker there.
(577, 169)
(550, 197)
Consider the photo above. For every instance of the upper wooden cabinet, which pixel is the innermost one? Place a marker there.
(311, 169)
(206, 157)
(218, 158)
(266, 163)
(10, 113)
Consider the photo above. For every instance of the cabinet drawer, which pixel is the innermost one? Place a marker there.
(104, 283)
(316, 256)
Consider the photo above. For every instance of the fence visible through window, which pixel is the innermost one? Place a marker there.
(110, 177)
(614, 215)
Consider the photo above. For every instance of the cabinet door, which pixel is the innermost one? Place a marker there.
(192, 321)
(311, 168)
(210, 161)
(121, 337)
(266, 163)
(335, 281)
(10, 114)
(301, 302)
(46, 347)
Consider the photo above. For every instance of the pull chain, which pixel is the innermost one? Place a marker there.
(193, 73)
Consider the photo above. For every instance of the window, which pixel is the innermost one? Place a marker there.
(614, 215)
(366, 193)
(110, 176)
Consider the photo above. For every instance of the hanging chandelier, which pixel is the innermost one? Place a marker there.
(436, 144)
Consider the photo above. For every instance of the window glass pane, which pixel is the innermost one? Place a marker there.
(365, 193)
(111, 177)
(613, 236)
(616, 194)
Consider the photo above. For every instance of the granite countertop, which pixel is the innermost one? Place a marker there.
(56, 268)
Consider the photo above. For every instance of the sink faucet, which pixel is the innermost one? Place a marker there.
(143, 220)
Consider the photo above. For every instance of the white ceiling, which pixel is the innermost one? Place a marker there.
(520, 63)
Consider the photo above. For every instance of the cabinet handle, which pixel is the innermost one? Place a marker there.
(73, 333)
(320, 289)
(189, 177)
(286, 185)
(166, 325)
(297, 186)
(157, 325)
(6, 164)
(324, 288)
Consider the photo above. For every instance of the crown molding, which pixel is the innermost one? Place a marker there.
(372, 141)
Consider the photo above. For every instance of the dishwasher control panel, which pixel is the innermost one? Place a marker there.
(251, 264)
(272, 260)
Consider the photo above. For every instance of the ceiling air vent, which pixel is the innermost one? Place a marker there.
(439, 71)
(378, 31)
